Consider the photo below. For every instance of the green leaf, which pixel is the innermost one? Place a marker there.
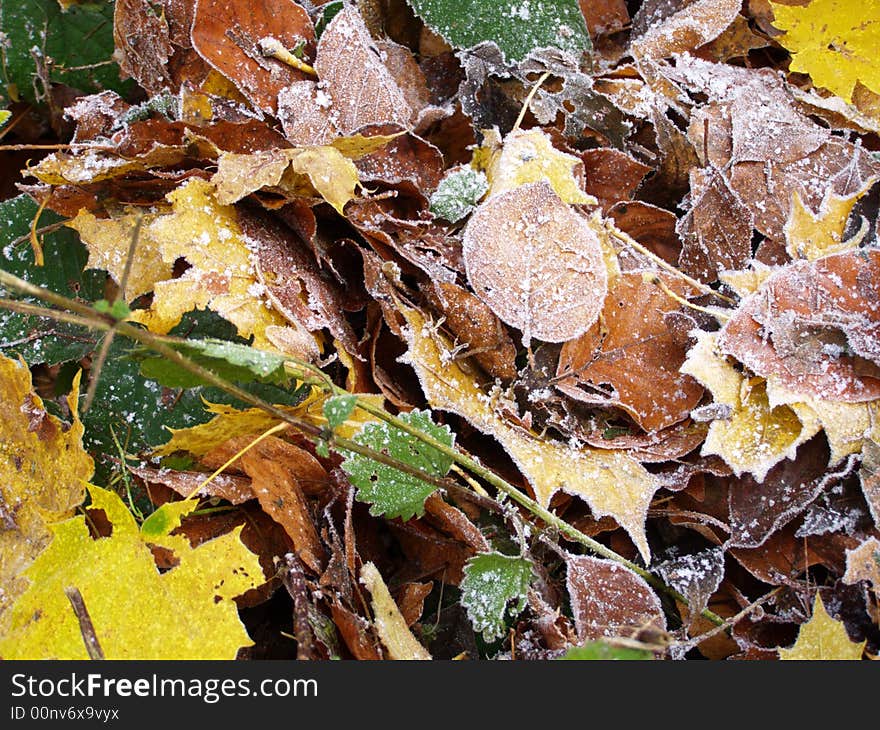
(78, 38)
(36, 339)
(338, 408)
(328, 12)
(4, 116)
(458, 193)
(491, 581)
(602, 651)
(230, 360)
(391, 492)
(517, 28)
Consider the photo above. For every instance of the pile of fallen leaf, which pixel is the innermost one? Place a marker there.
(552, 330)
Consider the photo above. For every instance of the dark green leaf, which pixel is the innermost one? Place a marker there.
(494, 588)
(517, 28)
(338, 408)
(80, 38)
(391, 492)
(458, 193)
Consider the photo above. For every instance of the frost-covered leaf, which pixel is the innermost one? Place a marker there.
(42, 471)
(810, 235)
(458, 193)
(834, 41)
(517, 28)
(391, 492)
(389, 622)
(687, 29)
(611, 482)
(863, 564)
(869, 475)
(491, 582)
(822, 638)
(603, 651)
(695, 576)
(79, 41)
(536, 263)
(528, 157)
(609, 599)
(338, 408)
(138, 613)
(750, 435)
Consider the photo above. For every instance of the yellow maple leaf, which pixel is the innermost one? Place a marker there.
(811, 235)
(528, 157)
(389, 622)
(746, 281)
(43, 469)
(822, 638)
(108, 242)
(186, 612)
(752, 435)
(834, 41)
(611, 482)
(229, 422)
(221, 276)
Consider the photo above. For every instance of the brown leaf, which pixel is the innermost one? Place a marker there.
(687, 29)
(143, 44)
(634, 352)
(814, 327)
(536, 263)
(227, 35)
(474, 325)
(608, 599)
(405, 158)
(604, 16)
(735, 42)
(696, 577)
(612, 175)
(234, 489)
(410, 598)
(356, 633)
(717, 230)
(651, 226)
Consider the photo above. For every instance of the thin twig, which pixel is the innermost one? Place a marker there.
(86, 627)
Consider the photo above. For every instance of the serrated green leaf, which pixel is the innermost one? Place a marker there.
(602, 651)
(232, 361)
(491, 582)
(517, 28)
(80, 38)
(391, 492)
(36, 339)
(457, 194)
(338, 408)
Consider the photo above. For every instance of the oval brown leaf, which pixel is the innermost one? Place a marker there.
(536, 263)
(227, 35)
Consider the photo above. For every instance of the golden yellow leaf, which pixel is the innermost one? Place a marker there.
(846, 425)
(389, 622)
(61, 168)
(221, 277)
(822, 638)
(834, 41)
(108, 242)
(186, 612)
(746, 281)
(750, 435)
(43, 470)
(863, 563)
(811, 235)
(300, 171)
(611, 482)
(528, 157)
(229, 422)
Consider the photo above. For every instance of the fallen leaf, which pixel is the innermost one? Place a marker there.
(143, 44)
(611, 482)
(389, 623)
(491, 582)
(869, 476)
(834, 41)
(696, 577)
(228, 34)
(811, 235)
(749, 435)
(608, 599)
(822, 638)
(694, 25)
(863, 564)
(43, 468)
(137, 612)
(536, 263)
(632, 349)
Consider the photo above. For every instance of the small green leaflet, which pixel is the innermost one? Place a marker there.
(391, 492)
(80, 39)
(517, 27)
(602, 651)
(491, 582)
(458, 193)
(232, 361)
(338, 408)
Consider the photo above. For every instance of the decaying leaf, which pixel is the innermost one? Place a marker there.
(611, 482)
(43, 468)
(389, 623)
(536, 263)
(811, 235)
(137, 612)
(863, 564)
(693, 25)
(822, 638)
